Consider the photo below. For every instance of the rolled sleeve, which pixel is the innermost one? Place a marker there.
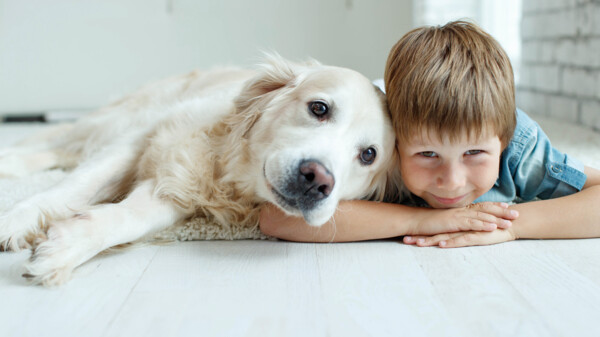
(539, 170)
(569, 175)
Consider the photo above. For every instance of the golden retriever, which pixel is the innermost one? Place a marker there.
(217, 144)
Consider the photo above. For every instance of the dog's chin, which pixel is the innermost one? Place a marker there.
(315, 220)
(291, 207)
(288, 205)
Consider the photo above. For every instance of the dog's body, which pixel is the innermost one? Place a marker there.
(215, 144)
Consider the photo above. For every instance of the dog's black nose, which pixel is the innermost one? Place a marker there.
(314, 180)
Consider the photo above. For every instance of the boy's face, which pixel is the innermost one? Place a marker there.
(450, 174)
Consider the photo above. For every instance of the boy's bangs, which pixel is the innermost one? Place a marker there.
(452, 80)
(443, 128)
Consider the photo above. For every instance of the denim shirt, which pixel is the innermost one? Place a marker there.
(531, 168)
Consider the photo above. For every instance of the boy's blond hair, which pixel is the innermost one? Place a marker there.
(450, 80)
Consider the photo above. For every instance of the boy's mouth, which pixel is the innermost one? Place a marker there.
(449, 201)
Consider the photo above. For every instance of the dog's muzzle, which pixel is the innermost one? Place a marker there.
(311, 184)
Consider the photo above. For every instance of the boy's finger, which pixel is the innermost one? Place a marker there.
(485, 223)
(460, 239)
(501, 215)
(425, 242)
(513, 213)
(476, 239)
(467, 239)
(434, 240)
(477, 220)
(414, 240)
(496, 221)
(492, 204)
(409, 240)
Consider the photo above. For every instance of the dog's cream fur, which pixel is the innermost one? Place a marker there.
(215, 144)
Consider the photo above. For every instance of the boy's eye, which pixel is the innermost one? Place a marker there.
(428, 154)
(473, 152)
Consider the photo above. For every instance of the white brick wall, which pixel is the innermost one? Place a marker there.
(560, 69)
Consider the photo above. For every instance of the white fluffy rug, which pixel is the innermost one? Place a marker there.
(582, 143)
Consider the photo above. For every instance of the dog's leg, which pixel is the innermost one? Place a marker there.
(37, 153)
(73, 241)
(23, 164)
(93, 179)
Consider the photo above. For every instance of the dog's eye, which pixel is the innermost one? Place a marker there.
(318, 108)
(367, 156)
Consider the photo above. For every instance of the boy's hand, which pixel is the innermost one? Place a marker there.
(485, 216)
(462, 239)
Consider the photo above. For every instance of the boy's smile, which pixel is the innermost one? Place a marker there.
(448, 173)
(449, 201)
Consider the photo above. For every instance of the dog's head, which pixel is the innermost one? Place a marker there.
(315, 135)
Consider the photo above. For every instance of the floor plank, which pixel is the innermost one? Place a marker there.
(273, 288)
(567, 300)
(83, 308)
(283, 288)
(368, 285)
(477, 296)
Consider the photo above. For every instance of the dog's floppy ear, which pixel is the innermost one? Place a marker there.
(274, 74)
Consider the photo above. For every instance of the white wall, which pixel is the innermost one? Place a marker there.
(561, 60)
(70, 54)
(501, 19)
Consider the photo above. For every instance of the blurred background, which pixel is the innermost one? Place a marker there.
(64, 57)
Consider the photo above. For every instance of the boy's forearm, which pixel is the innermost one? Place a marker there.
(354, 220)
(571, 217)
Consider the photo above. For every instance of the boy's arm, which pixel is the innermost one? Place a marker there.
(571, 217)
(359, 220)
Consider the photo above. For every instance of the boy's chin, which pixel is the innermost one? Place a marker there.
(433, 202)
(457, 205)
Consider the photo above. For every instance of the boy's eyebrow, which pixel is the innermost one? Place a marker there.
(422, 142)
(419, 143)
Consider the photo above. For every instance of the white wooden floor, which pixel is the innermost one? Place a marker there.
(265, 288)
(275, 288)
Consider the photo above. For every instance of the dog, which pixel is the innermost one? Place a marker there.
(217, 144)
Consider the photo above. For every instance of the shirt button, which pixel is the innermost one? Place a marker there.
(556, 169)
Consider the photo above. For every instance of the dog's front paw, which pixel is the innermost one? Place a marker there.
(38, 272)
(20, 228)
(65, 245)
(51, 262)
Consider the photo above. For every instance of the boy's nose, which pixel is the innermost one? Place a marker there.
(451, 177)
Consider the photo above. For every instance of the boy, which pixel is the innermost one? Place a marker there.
(461, 140)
